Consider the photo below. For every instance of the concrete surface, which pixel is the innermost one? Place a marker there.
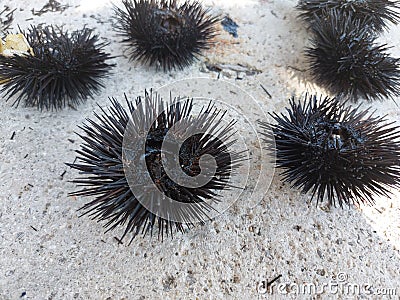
(47, 252)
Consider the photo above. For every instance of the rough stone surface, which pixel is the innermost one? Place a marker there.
(47, 252)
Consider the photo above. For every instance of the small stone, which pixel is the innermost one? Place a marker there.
(319, 252)
(229, 73)
(240, 75)
(204, 69)
(321, 272)
(236, 279)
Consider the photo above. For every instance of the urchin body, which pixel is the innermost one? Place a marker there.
(379, 12)
(104, 171)
(345, 59)
(163, 33)
(345, 155)
(63, 69)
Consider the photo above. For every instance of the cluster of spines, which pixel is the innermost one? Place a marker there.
(163, 33)
(344, 57)
(6, 18)
(343, 154)
(64, 69)
(379, 12)
(100, 162)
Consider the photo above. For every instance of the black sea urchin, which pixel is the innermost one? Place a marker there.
(347, 155)
(163, 33)
(345, 60)
(64, 69)
(116, 179)
(380, 12)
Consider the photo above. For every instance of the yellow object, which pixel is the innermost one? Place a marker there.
(15, 44)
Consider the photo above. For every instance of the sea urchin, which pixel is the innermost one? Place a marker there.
(345, 60)
(380, 12)
(117, 179)
(63, 69)
(163, 33)
(347, 155)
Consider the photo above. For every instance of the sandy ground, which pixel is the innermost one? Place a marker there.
(47, 252)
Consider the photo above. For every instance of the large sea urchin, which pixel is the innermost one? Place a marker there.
(380, 12)
(109, 174)
(347, 155)
(63, 69)
(163, 33)
(345, 59)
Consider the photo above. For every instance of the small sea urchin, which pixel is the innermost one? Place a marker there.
(380, 12)
(163, 33)
(347, 155)
(117, 179)
(62, 69)
(345, 59)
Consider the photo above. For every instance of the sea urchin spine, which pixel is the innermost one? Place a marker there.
(347, 155)
(163, 33)
(6, 18)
